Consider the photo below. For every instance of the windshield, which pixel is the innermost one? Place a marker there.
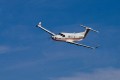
(62, 34)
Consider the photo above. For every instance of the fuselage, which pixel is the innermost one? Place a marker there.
(68, 36)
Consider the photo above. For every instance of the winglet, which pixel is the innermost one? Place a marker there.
(95, 47)
(39, 24)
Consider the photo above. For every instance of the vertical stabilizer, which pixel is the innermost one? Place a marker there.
(86, 32)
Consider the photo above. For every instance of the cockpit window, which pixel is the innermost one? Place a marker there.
(62, 35)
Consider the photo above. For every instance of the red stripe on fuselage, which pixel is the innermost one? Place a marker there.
(65, 39)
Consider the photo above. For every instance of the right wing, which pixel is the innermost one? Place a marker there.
(81, 45)
(39, 25)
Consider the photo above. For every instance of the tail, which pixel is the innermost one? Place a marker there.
(87, 29)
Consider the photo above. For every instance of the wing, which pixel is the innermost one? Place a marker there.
(39, 25)
(81, 45)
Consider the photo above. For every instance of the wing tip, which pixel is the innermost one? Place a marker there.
(39, 24)
(95, 47)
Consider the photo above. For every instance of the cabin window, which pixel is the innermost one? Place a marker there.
(69, 36)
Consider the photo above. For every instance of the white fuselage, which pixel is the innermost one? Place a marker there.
(69, 36)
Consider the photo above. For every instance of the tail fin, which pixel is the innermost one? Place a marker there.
(86, 32)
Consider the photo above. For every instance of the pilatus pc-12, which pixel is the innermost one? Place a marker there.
(71, 38)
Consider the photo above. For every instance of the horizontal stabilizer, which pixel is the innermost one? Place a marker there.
(89, 28)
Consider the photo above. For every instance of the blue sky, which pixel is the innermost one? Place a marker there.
(28, 53)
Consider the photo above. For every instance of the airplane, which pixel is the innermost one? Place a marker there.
(71, 38)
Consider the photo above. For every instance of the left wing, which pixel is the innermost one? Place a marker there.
(81, 45)
(39, 25)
